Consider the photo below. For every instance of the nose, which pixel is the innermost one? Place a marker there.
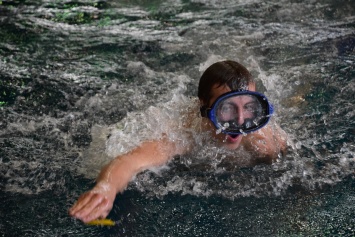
(240, 118)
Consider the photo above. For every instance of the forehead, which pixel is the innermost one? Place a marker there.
(240, 99)
(217, 90)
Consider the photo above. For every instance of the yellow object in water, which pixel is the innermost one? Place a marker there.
(106, 222)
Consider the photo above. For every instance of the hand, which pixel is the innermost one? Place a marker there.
(94, 204)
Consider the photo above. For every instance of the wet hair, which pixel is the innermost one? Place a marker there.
(229, 73)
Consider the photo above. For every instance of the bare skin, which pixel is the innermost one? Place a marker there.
(114, 178)
(264, 144)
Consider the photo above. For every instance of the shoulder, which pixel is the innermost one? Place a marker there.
(267, 144)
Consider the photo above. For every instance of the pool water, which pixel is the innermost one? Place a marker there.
(71, 70)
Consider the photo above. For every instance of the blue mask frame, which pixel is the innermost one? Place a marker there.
(267, 111)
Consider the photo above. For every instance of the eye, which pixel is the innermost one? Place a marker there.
(226, 108)
(250, 107)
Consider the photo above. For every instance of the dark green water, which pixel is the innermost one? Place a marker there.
(70, 67)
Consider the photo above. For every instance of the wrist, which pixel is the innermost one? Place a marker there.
(106, 188)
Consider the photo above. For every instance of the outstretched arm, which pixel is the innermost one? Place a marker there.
(115, 176)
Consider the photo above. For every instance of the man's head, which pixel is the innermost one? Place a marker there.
(228, 74)
(229, 83)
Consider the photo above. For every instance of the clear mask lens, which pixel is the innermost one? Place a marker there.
(241, 113)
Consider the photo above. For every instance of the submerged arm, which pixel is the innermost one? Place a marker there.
(115, 176)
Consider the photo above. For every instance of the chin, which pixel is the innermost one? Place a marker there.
(230, 146)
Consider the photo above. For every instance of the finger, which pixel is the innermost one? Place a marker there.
(94, 202)
(100, 211)
(105, 214)
(82, 201)
(85, 205)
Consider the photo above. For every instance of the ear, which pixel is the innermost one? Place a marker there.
(202, 103)
(252, 86)
(203, 108)
(203, 111)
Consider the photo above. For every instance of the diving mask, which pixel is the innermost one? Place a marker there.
(239, 112)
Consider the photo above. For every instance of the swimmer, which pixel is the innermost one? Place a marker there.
(237, 116)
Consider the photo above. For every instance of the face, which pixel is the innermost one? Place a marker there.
(238, 109)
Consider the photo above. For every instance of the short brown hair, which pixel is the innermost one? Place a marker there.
(229, 73)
